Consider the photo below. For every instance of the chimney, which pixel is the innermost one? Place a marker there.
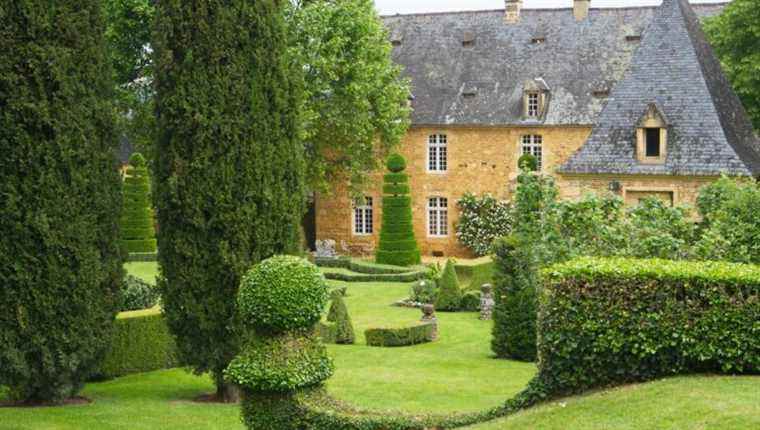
(580, 9)
(512, 12)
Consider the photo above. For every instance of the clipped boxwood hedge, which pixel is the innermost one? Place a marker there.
(367, 277)
(142, 256)
(613, 321)
(367, 267)
(141, 342)
(403, 336)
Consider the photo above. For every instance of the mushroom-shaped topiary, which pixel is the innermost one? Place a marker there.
(279, 302)
(282, 293)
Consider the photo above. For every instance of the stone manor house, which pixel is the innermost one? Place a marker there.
(628, 100)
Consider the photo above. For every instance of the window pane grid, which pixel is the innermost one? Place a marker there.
(532, 105)
(438, 216)
(363, 217)
(437, 153)
(532, 144)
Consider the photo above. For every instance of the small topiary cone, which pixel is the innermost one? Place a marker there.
(449, 293)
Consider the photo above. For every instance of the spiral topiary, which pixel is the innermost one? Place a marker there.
(279, 302)
(397, 243)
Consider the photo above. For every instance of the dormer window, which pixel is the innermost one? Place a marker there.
(652, 136)
(535, 98)
(533, 105)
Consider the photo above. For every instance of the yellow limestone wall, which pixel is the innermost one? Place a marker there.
(480, 160)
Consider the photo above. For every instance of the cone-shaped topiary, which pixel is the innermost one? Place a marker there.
(338, 314)
(136, 225)
(60, 198)
(279, 301)
(449, 293)
(397, 244)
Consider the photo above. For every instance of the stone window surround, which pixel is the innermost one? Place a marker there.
(438, 142)
(652, 119)
(440, 213)
(673, 191)
(365, 213)
(536, 143)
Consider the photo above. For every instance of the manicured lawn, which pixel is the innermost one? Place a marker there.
(684, 403)
(145, 270)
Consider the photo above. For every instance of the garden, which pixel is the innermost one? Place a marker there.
(176, 290)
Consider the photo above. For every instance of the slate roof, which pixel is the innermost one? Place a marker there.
(576, 59)
(709, 132)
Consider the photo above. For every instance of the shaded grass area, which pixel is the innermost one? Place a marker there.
(689, 402)
(145, 270)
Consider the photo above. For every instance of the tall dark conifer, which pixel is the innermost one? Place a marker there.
(229, 171)
(59, 197)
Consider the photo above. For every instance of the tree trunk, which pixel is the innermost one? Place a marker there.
(227, 393)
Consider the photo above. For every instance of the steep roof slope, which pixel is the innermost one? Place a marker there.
(575, 59)
(709, 132)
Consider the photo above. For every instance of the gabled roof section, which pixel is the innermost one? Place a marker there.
(708, 129)
(574, 58)
(652, 111)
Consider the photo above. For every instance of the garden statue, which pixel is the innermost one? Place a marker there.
(428, 315)
(326, 249)
(486, 302)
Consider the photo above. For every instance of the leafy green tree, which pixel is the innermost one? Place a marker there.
(397, 243)
(356, 102)
(735, 37)
(229, 166)
(128, 33)
(449, 292)
(60, 266)
(138, 233)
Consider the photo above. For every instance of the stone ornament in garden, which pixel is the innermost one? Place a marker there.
(326, 249)
(486, 302)
(279, 302)
(428, 315)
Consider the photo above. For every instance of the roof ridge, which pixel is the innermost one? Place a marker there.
(539, 9)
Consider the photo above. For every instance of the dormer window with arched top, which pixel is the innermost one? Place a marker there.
(652, 136)
(535, 99)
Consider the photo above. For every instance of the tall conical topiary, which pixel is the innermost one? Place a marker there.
(338, 314)
(136, 226)
(397, 244)
(60, 197)
(449, 292)
(229, 166)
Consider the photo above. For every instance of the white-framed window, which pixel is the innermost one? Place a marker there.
(438, 217)
(437, 153)
(363, 216)
(533, 105)
(531, 144)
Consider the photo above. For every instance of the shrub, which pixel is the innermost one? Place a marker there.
(613, 321)
(137, 294)
(404, 336)
(481, 221)
(366, 277)
(60, 198)
(528, 162)
(470, 301)
(658, 230)
(712, 197)
(397, 244)
(141, 342)
(475, 275)
(283, 363)
(136, 225)
(514, 314)
(282, 293)
(230, 171)
(591, 226)
(326, 331)
(424, 291)
(449, 292)
(338, 314)
(733, 233)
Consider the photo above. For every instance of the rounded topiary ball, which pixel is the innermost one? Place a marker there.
(282, 293)
(396, 163)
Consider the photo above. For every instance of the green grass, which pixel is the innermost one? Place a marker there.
(147, 270)
(683, 403)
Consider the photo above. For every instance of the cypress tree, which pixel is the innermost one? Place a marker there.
(136, 226)
(397, 243)
(449, 293)
(229, 167)
(59, 197)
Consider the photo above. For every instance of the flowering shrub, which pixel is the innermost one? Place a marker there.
(483, 220)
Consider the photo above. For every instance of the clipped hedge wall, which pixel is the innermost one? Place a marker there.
(366, 277)
(142, 256)
(614, 321)
(366, 267)
(141, 342)
(404, 336)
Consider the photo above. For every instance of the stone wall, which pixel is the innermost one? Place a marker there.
(480, 160)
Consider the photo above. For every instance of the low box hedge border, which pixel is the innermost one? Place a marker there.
(402, 336)
(611, 321)
(133, 257)
(366, 277)
(366, 267)
(140, 342)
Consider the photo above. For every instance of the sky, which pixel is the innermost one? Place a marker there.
(389, 7)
